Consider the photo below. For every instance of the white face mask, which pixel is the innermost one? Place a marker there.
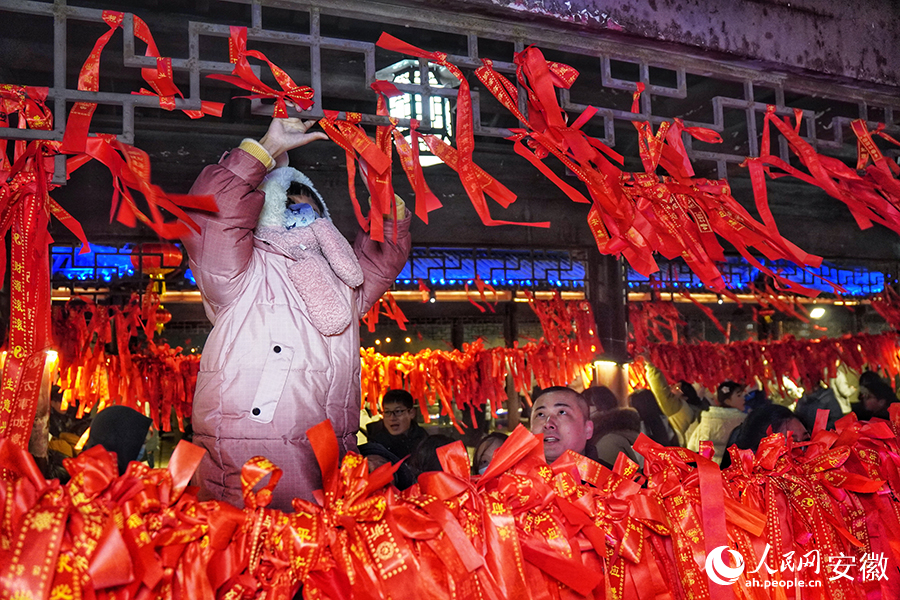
(299, 215)
(481, 470)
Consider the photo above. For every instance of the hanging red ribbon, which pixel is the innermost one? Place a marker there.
(387, 306)
(25, 209)
(26, 218)
(243, 77)
(475, 181)
(161, 79)
(426, 201)
(129, 166)
(375, 164)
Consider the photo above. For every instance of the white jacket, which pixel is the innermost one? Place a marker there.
(715, 425)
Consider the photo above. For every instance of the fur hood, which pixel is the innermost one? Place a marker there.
(618, 419)
(275, 187)
(323, 262)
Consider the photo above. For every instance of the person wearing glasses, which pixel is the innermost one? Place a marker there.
(398, 432)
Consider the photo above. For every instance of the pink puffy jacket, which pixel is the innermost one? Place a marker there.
(267, 374)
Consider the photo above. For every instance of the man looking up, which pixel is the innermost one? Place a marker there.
(563, 416)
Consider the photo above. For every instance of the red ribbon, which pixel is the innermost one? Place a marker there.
(243, 77)
(426, 201)
(387, 306)
(375, 164)
(161, 78)
(475, 181)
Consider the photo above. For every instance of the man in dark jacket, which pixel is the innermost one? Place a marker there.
(875, 396)
(398, 431)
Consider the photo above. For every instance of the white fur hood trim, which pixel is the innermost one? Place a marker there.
(275, 187)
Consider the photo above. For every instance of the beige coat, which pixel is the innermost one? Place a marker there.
(715, 425)
(681, 414)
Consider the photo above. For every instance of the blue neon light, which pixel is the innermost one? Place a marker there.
(449, 266)
(499, 267)
(102, 262)
(857, 281)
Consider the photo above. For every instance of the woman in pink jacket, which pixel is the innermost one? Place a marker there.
(284, 291)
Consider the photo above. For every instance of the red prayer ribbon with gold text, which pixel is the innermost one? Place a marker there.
(475, 181)
(243, 77)
(25, 209)
(525, 528)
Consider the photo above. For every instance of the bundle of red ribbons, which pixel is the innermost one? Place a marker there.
(469, 378)
(825, 513)
(805, 361)
(154, 375)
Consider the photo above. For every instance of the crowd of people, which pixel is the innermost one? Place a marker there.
(599, 425)
(594, 422)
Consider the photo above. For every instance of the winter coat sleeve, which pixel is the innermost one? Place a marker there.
(220, 253)
(610, 445)
(381, 262)
(667, 401)
(680, 413)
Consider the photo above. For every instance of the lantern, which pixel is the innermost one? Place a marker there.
(162, 317)
(157, 259)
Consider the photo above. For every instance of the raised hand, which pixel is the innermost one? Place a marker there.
(287, 134)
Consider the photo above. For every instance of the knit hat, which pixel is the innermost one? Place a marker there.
(119, 429)
(275, 187)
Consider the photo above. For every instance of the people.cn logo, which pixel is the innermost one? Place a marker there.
(718, 571)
